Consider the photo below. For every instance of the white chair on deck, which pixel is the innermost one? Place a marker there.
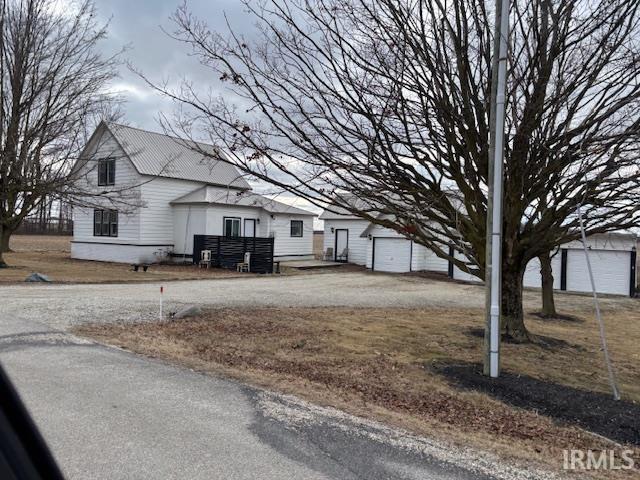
(328, 254)
(205, 258)
(344, 256)
(246, 265)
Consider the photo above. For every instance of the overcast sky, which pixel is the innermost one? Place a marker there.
(138, 27)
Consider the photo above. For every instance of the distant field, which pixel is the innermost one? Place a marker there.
(40, 243)
(50, 255)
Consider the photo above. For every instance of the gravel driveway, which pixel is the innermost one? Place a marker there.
(89, 303)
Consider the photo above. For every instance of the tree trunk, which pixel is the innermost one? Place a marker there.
(513, 327)
(4, 244)
(5, 235)
(548, 302)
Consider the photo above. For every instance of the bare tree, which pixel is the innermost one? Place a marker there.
(546, 275)
(388, 100)
(53, 83)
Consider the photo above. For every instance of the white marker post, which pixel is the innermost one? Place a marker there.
(161, 293)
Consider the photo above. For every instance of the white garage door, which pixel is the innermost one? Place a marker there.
(391, 254)
(611, 271)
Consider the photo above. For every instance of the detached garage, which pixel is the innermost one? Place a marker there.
(613, 262)
(612, 255)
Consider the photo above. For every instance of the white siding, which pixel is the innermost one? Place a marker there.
(118, 253)
(156, 216)
(215, 215)
(605, 241)
(188, 220)
(126, 179)
(462, 275)
(425, 259)
(287, 246)
(532, 277)
(418, 257)
(357, 245)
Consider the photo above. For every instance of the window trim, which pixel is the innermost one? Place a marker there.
(224, 226)
(301, 222)
(100, 227)
(109, 172)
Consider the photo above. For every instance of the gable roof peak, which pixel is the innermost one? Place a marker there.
(158, 154)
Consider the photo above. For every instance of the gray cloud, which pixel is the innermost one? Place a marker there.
(138, 25)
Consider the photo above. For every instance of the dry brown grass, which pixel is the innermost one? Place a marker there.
(50, 255)
(378, 363)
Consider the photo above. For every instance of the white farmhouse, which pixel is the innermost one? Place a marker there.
(351, 239)
(164, 193)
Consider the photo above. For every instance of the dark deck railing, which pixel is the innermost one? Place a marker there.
(227, 252)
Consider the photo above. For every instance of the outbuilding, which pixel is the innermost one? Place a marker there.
(612, 256)
(613, 263)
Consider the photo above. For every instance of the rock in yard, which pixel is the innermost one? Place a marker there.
(189, 311)
(37, 277)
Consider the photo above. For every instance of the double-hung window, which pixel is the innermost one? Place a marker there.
(106, 172)
(231, 227)
(105, 223)
(296, 228)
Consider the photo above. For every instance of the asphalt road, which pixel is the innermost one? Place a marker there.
(110, 414)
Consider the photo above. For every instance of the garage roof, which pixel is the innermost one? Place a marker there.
(340, 213)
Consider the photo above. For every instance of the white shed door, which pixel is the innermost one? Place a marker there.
(611, 271)
(392, 255)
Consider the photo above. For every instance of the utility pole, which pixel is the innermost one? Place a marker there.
(493, 260)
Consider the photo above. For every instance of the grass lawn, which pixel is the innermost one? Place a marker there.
(50, 255)
(416, 368)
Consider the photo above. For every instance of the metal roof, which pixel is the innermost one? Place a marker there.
(225, 196)
(337, 212)
(161, 155)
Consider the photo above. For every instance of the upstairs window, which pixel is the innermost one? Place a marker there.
(296, 228)
(106, 172)
(105, 223)
(231, 227)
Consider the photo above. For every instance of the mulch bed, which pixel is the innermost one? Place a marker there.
(593, 411)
